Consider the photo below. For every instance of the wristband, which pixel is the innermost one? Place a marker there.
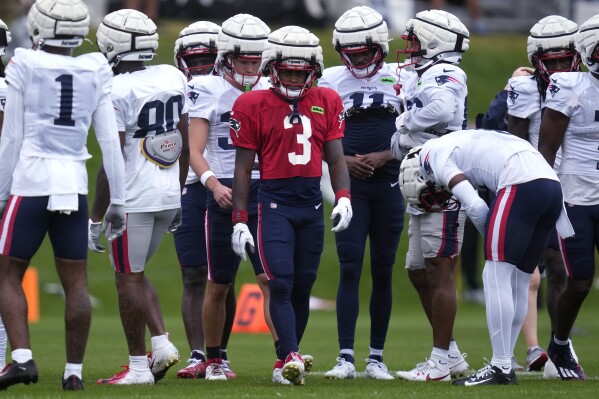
(342, 193)
(239, 216)
(205, 176)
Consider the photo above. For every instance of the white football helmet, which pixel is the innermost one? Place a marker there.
(127, 35)
(434, 36)
(424, 194)
(241, 37)
(361, 38)
(587, 41)
(195, 49)
(4, 37)
(292, 48)
(58, 23)
(551, 39)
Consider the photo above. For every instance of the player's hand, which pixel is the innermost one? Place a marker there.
(240, 237)
(177, 221)
(116, 218)
(94, 231)
(223, 196)
(375, 159)
(523, 71)
(358, 168)
(399, 124)
(344, 212)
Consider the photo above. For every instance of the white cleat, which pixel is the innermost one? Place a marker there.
(343, 370)
(215, 372)
(308, 362)
(277, 377)
(458, 367)
(293, 370)
(162, 359)
(550, 371)
(427, 371)
(377, 370)
(129, 377)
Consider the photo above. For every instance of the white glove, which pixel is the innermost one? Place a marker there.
(344, 211)
(94, 230)
(177, 221)
(116, 218)
(240, 237)
(399, 124)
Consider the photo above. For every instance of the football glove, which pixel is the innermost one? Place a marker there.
(177, 221)
(344, 212)
(116, 218)
(240, 238)
(93, 236)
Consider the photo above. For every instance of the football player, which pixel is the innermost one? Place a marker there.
(195, 56)
(240, 42)
(436, 105)
(570, 121)
(290, 127)
(4, 40)
(51, 100)
(551, 48)
(366, 86)
(516, 226)
(151, 115)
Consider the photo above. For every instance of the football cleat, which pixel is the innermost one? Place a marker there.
(550, 371)
(18, 373)
(162, 359)
(195, 369)
(377, 370)
(536, 358)
(73, 383)
(308, 362)
(567, 367)
(215, 372)
(488, 375)
(227, 369)
(458, 367)
(293, 370)
(129, 377)
(277, 374)
(426, 371)
(343, 370)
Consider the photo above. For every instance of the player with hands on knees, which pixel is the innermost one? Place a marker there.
(151, 115)
(291, 127)
(44, 178)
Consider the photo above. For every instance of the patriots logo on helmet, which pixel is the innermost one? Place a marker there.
(442, 79)
(553, 89)
(512, 95)
(235, 126)
(193, 96)
(427, 164)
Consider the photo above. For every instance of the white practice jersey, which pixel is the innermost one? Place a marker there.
(524, 101)
(212, 98)
(60, 96)
(377, 91)
(576, 95)
(2, 94)
(436, 103)
(146, 103)
(488, 158)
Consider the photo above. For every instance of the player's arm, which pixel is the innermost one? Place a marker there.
(244, 163)
(198, 138)
(518, 126)
(472, 203)
(333, 154)
(436, 114)
(12, 139)
(552, 132)
(184, 157)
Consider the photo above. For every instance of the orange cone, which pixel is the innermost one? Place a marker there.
(249, 317)
(31, 287)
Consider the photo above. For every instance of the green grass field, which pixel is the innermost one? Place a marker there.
(488, 63)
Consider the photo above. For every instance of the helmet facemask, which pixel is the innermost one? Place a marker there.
(413, 49)
(293, 87)
(363, 61)
(247, 71)
(197, 60)
(556, 60)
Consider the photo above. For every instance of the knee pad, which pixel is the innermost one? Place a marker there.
(385, 258)
(280, 288)
(349, 252)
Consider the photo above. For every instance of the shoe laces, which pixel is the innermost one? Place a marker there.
(485, 371)
(216, 369)
(226, 366)
(341, 362)
(377, 364)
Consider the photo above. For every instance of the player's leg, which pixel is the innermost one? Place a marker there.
(22, 230)
(415, 265)
(387, 213)
(535, 355)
